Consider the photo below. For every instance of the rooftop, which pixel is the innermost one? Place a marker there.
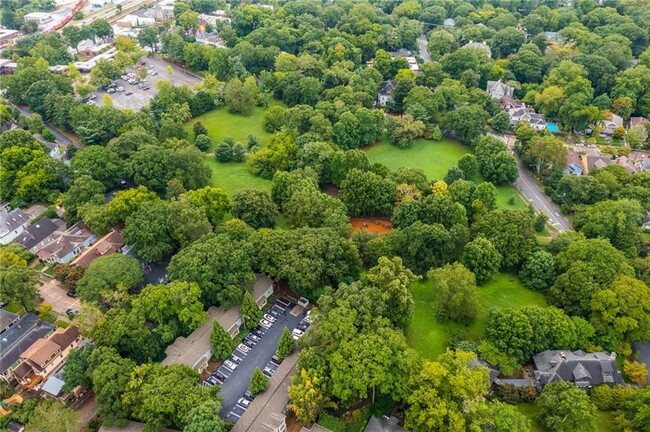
(107, 245)
(39, 232)
(43, 350)
(584, 369)
(12, 221)
(6, 318)
(20, 337)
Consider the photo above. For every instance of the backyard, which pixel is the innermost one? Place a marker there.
(603, 419)
(430, 337)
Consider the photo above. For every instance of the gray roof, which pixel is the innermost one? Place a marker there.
(6, 319)
(517, 382)
(54, 385)
(387, 87)
(39, 232)
(383, 424)
(12, 220)
(20, 337)
(583, 369)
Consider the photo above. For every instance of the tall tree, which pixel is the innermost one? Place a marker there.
(67, 420)
(481, 258)
(108, 274)
(286, 344)
(19, 284)
(394, 282)
(255, 208)
(221, 341)
(205, 418)
(564, 408)
(250, 311)
(456, 293)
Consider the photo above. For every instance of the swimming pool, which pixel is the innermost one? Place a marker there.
(552, 127)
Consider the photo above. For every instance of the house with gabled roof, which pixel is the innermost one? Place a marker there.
(40, 234)
(585, 370)
(499, 89)
(67, 245)
(385, 93)
(12, 224)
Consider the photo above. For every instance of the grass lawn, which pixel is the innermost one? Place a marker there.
(435, 158)
(430, 337)
(233, 177)
(221, 124)
(603, 419)
(15, 308)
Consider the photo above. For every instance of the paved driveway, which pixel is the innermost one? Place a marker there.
(238, 380)
(643, 349)
(55, 295)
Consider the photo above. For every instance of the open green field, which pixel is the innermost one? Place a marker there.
(435, 158)
(234, 177)
(221, 124)
(430, 337)
(530, 410)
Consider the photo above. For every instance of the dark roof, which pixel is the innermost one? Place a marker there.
(14, 426)
(38, 232)
(6, 319)
(12, 220)
(20, 337)
(383, 424)
(65, 338)
(387, 87)
(583, 369)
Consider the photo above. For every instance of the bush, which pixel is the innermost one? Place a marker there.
(238, 153)
(199, 129)
(47, 135)
(252, 142)
(223, 152)
(203, 142)
(330, 422)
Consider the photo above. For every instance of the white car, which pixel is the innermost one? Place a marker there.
(297, 334)
(244, 402)
(243, 348)
(230, 365)
(269, 318)
(264, 323)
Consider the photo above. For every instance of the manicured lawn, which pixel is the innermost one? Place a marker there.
(233, 177)
(435, 158)
(221, 124)
(430, 337)
(15, 308)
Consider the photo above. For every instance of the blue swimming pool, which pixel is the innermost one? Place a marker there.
(552, 127)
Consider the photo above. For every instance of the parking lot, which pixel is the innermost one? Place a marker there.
(236, 378)
(136, 96)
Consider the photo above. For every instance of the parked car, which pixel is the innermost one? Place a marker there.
(71, 312)
(243, 348)
(248, 395)
(212, 380)
(230, 365)
(297, 333)
(244, 402)
(275, 359)
(268, 372)
(302, 326)
(249, 343)
(258, 331)
(275, 313)
(218, 375)
(128, 93)
(269, 318)
(253, 337)
(235, 359)
(146, 87)
(71, 294)
(264, 323)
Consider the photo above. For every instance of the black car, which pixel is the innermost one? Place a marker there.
(302, 326)
(249, 396)
(219, 376)
(71, 312)
(258, 331)
(71, 294)
(275, 313)
(249, 343)
(276, 360)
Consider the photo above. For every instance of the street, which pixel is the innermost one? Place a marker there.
(54, 295)
(535, 195)
(62, 139)
(423, 43)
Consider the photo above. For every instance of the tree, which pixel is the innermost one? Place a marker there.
(306, 399)
(108, 274)
(501, 122)
(440, 391)
(347, 132)
(538, 272)
(214, 201)
(510, 231)
(19, 284)
(259, 382)
(503, 417)
(455, 293)
(495, 163)
(367, 193)
(481, 258)
(98, 162)
(84, 190)
(251, 312)
(548, 154)
(149, 230)
(148, 37)
(151, 166)
(222, 281)
(67, 420)
(403, 130)
(162, 396)
(255, 208)
(241, 96)
(205, 418)
(635, 371)
(74, 373)
(203, 142)
(220, 341)
(394, 281)
(286, 345)
(563, 408)
(467, 163)
(467, 122)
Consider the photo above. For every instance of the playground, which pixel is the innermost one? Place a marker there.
(376, 226)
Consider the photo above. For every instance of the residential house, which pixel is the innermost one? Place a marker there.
(609, 125)
(164, 10)
(14, 426)
(595, 160)
(17, 338)
(45, 355)
(498, 89)
(638, 121)
(86, 66)
(528, 115)
(53, 386)
(39, 17)
(7, 66)
(7, 321)
(384, 424)
(508, 103)
(107, 245)
(12, 225)
(406, 54)
(67, 245)
(7, 37)
(585, 370)
(134, 21)
(53, 148)
(449, 22)
(626, 163)
(40, 234)
(213, 18)
(481, 46)
(574, 164)
(195, 350)
(516, 382)
(385, 94)
(209, 39)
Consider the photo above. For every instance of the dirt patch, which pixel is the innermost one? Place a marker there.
(377, 226)
(330, 190)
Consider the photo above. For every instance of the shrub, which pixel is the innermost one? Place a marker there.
(203, 142)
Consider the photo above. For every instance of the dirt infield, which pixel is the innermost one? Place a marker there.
(372, 225)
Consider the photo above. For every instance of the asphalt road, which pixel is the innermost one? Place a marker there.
(643, 349)
(423, 43)
(535, 195)
(259, 356)
(61, 138)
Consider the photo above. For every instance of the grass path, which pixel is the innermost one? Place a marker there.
(430, 337)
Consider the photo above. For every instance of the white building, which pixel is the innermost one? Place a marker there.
(39, 17)
(525, 114)
(12, 224)
(499, 90)
(133, 21)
